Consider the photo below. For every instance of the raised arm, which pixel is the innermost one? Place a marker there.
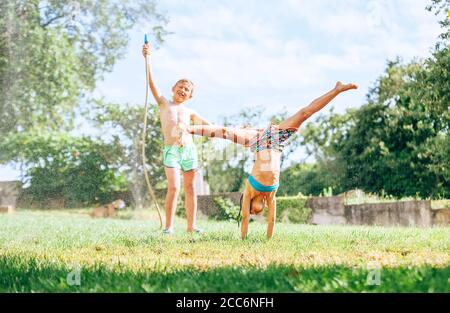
(154, 89)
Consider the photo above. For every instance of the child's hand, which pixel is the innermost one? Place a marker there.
(146, 50)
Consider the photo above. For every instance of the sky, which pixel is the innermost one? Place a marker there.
(275, 54)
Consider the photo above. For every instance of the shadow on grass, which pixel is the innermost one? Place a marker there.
(18, 274)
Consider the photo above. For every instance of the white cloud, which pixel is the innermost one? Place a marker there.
(400, 27)
(253, 52)
(230, 49)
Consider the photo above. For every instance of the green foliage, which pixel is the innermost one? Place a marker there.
(78, 169)
(310, 179)
(53, 52)
(40, 74)
(292, 209)
(181, 210)
(397, 143)
(124, 123)
(327, 192)
(225, 169)
(228, 211)
(442, 8)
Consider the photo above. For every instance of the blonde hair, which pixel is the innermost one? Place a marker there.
(185, 80)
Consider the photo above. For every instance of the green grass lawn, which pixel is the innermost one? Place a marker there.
(39, 249)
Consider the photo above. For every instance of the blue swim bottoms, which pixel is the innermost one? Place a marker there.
(260, 187)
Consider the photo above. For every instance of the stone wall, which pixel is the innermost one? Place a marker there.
(327, 210)
(9, 193)
(401, 213)
(333, 211)
(441, 217)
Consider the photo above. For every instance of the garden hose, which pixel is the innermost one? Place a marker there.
(144, 132)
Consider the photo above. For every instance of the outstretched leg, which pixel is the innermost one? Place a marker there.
(298, 118)
(237, 135)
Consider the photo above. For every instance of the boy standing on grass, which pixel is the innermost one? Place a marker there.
(180, 153)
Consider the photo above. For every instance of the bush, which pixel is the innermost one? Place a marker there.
(289, 209)
(310, 179)
(181, 210)
(80, 170)
(227, 210)
(292, 209)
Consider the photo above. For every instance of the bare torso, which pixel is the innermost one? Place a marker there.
(172, 117)
(266, 168)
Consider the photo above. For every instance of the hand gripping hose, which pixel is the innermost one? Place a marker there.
(144, 131)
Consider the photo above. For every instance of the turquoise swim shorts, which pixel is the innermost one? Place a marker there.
(184, 158)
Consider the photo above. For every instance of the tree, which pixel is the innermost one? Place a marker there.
(80, 170)
(53, 52)
(398, 142)
(309, 179)
(125, 123)
(442, 7)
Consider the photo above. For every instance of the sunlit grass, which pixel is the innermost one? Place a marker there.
(39, 248)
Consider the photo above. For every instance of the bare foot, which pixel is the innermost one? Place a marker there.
(340, 87)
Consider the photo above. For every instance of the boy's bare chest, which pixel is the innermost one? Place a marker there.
(176, 114)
